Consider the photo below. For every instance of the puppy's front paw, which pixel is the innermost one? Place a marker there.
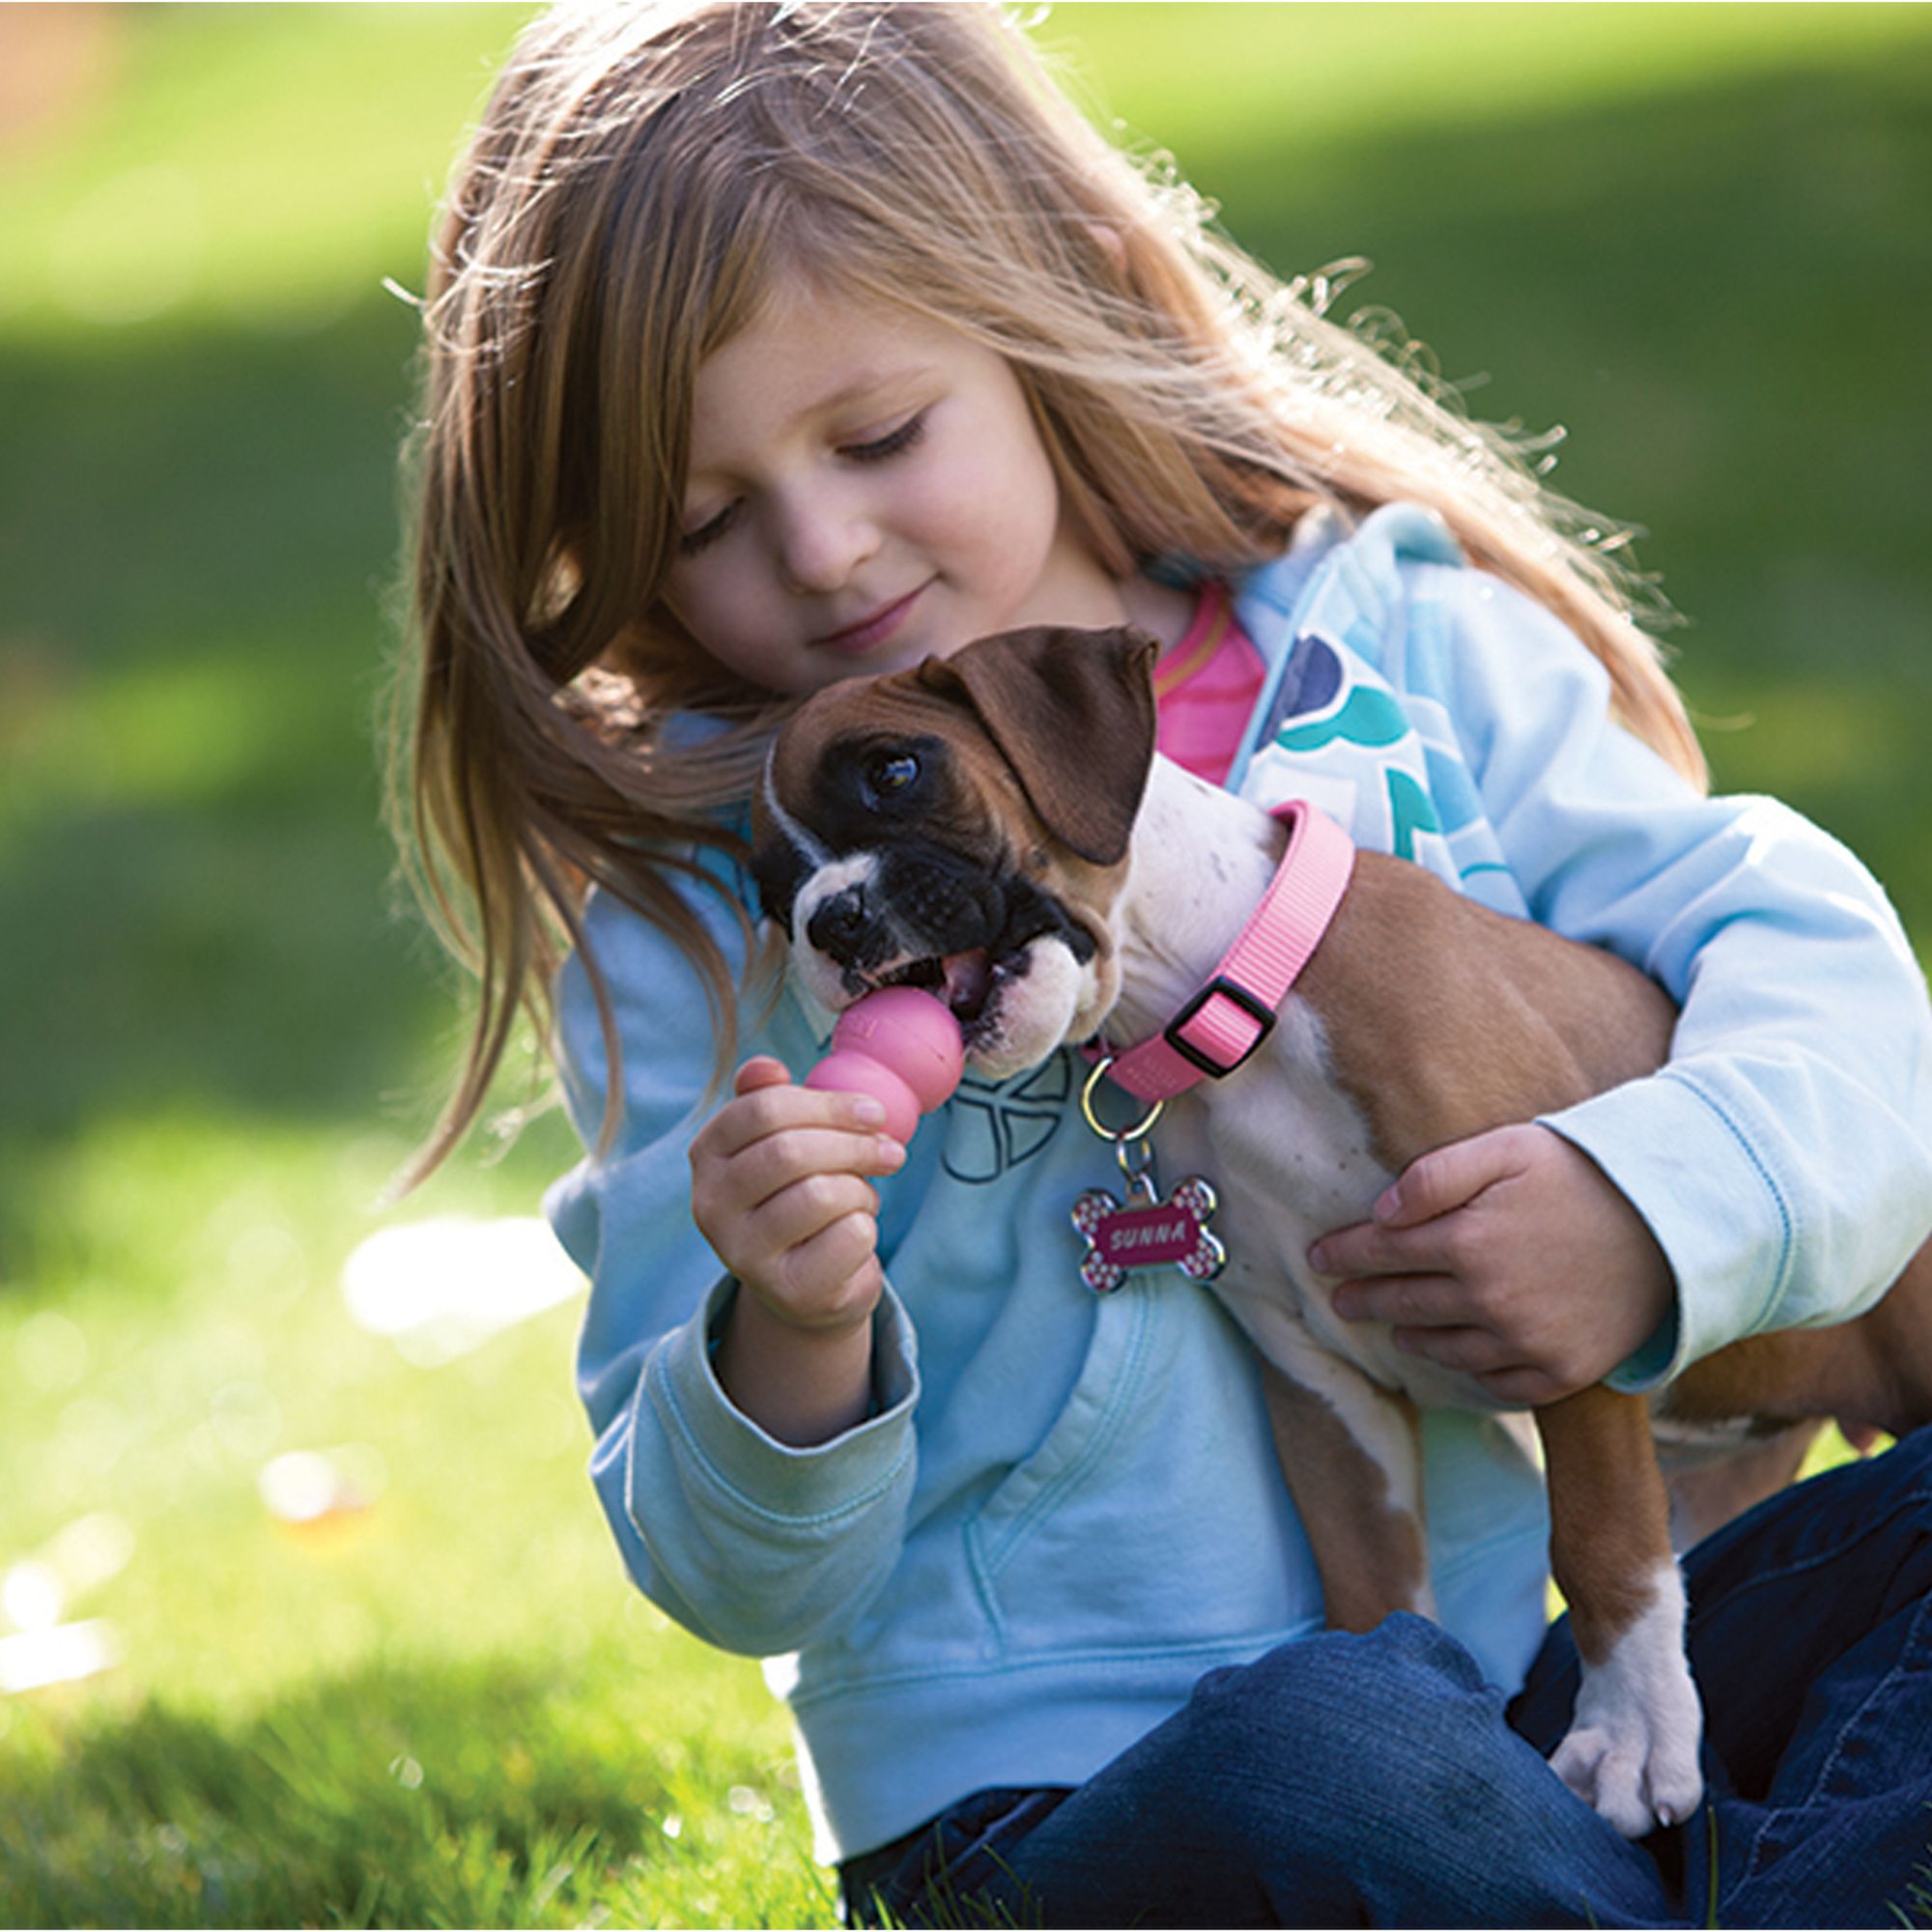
(1631, 1752)
(1634, 1780)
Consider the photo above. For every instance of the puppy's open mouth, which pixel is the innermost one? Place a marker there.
(969, 982)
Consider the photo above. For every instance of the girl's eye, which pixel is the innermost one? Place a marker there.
(891, 443)
(707, 535)
(891, 775)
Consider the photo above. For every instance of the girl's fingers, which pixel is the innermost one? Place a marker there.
(803, 1211)
(784, 1190)
(1470, 1352)
(787, 1243)
(1486, 1358)
(767, 1103)
(1370, 1249)
(1451, 1176)
(825, 1279)
(780, 1188)
(766, 1168)
(759, 1071)
(1433, 1301)
(1525, 1387)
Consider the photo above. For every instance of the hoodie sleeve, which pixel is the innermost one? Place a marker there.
(757, 1546)
(1784, 1157)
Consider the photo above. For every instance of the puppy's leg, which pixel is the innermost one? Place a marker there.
(1632, 1750)
(1353, 1456)
(1876, 1370)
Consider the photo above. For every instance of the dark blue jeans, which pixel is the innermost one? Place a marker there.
(1376, 1780)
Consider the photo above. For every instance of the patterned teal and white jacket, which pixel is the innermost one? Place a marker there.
(1064, 1509)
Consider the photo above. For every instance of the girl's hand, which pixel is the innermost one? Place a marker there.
(1509, 1255)
(779, 1188)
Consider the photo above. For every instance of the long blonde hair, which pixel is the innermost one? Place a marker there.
(641, 176)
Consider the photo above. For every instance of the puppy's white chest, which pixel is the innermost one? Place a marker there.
(1292, 1159)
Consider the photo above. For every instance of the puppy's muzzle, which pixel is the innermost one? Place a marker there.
(919, 902)
(850, 930)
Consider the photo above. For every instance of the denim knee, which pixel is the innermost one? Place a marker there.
(1337, 1780)
(1401, 1658)
(1359, 1774)
(1344, 1709)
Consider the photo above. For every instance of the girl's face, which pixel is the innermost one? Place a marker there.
(867, 489)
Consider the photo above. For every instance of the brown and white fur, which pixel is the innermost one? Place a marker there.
(998, 826)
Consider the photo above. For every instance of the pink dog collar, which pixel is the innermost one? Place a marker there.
(1230, 1018)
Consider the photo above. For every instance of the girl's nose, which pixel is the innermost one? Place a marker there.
(823, 541)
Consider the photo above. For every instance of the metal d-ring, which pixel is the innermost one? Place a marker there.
(1119, 1136)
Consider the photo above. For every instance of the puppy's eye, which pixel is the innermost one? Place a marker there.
(891, 775)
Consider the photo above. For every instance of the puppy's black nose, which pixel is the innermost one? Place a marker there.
(842, 925)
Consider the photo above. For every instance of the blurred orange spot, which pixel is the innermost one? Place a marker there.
(54, 62)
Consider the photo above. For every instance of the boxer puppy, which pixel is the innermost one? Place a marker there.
(997, 828)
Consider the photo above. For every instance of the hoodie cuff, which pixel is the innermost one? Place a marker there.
(1714, 1205)
(756, 1472)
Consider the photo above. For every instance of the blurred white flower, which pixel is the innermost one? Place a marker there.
(442, 1286)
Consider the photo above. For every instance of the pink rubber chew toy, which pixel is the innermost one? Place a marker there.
(902, 1046)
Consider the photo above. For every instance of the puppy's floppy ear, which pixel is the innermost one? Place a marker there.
(1073, 712)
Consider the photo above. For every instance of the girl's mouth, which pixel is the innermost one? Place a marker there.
(870, 633)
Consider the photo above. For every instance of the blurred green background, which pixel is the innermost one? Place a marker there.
(365, 1654)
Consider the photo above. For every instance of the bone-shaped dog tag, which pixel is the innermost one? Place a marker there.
(1146, 1231)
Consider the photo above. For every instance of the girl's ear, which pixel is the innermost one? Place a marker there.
(1073, 712)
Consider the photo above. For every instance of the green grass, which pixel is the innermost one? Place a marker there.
(442, 1707)
(1693, 235)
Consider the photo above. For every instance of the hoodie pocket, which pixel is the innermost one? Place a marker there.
(1106, 1406)
(1152, 1513)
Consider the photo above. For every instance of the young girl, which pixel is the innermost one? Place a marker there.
(773, 345)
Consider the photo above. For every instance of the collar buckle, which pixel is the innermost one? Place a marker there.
(1257, 1009)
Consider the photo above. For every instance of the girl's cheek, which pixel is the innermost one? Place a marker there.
(707, 601)
(979, 504)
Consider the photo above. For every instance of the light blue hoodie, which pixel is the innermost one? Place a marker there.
(1064, 1508)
